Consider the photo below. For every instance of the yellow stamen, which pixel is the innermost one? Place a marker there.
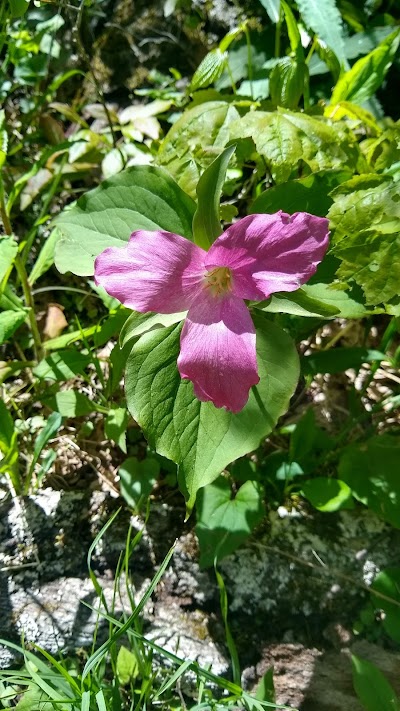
(219, 281)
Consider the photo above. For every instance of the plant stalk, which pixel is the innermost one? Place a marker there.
(37, 341)
(21, 271)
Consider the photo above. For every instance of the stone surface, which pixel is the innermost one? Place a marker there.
(294, 589)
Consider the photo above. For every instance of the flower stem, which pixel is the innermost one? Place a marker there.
(3, 210)
(28, 296)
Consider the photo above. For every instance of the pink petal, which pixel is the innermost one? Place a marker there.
(269, 253)
(218, 351)
(155, 271)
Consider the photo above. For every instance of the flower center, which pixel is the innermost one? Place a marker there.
(219, 281)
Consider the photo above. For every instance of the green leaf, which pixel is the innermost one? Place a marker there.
(115, 426)
(195, 140)
(286, 82)
(372, 688)
(367, 74)
(223, 522)
(62, 365)
(199, 437)
(209, 69)
(141, 197)
(293, 32)
(46, 256)
(371, 469)
(127, 666)
(383, 152)
(206, 220)
(344, 302)
(365, 218)
(8, 252)
(328, 494)
(336, 360)
(51, 427)
(328, 59)
(303, 437)
(137, 479)
(9, 300)
(6, 428)
(309, 194)
(136, 324)
(266, 690)
(288, 141)
(9, 322)
(18, 7)
(100, 333)
(272, 7)
(33, 699)
(387, 582)
(298, 304)
(70, 403)
(324, 18)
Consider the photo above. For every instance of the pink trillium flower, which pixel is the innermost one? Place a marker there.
(256, 257)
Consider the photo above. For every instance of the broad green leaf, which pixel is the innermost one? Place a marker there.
(18, 7)
(70, 403)
(9, 322)
(115, 426)
(195, 140)
(371, 469)
(137, 479)
(272, 7)
(344, 302)
(298, 304)
(127, 666)
(367, 74)
(62, 365)
(141, 197)
(328, 494)
(365, 218)
(199, 437)
(345, 109)
(6, 428)
(336, 360)
(291, 142)
(324, 18)
(223, 522)
(8, 252)
(209, 70)
(136, 324)
(206, 219)
(286, 82)
(372, 687)
(387, 582)
(383, 152)
(310, 194)
(46, 256)
(34, 699)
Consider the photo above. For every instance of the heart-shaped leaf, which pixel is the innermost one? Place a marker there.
(139, 198)
(200, 438)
